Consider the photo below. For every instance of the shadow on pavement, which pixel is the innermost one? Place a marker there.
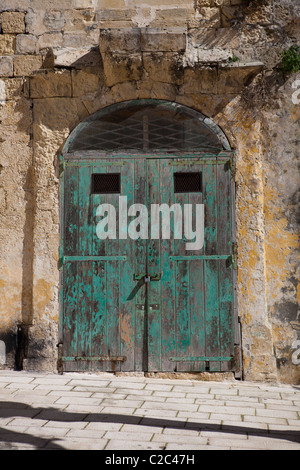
(14, 409)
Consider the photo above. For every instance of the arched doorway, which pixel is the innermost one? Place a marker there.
(147, 257)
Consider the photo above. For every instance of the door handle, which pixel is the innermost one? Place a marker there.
(147, 277)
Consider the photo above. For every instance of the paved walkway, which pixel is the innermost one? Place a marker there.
(102, 411)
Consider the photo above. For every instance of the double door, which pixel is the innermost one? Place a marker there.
(147, 264)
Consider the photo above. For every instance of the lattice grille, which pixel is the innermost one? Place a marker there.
(146, 128)
(187, 182)
(106, 183)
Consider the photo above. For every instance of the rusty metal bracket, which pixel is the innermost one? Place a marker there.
(94, 358)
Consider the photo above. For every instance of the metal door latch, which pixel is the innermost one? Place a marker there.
(147, 278)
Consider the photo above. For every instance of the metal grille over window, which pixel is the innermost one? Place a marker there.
(187, 182)
(106, 183)
(146, 127)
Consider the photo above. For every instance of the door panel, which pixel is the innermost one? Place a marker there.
(103, 328)
(195, 325)
(112, 320)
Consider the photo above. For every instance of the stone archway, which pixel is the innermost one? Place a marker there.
(62, 99)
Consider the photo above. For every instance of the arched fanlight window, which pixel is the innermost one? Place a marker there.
(147, 126)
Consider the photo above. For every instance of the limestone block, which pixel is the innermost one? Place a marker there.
(259, 16)
(26, 44)
(172, 17)
(77, 57)
(34, 21)
(163, 40)
(120, 68)
(283, 14)
(110, 4)
(144, 17)
(124, 91)
(229, 14)
(85, 83)
(25, 65)
(44, 5)
(115, 15)
(55, 116)
(82, 3)
(120, 40)
(200, 55)
(50, 84)
(6, 66)
(201, 80)
(209, 17)
(79, 20)
(7, 44)
(226, 38)
(81, 39)
(13, 22)
(156, 90)
(220, 3)
(48, 40)
(13, 88)
(15, 5)
(54, 20)
(158, 3)
(230, 80)
(203, 3)
(163, 67)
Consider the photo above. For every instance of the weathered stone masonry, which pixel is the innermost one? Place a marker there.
(61, 63)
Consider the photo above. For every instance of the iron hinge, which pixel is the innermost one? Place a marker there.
(234, 256)
(62, 166)
(233, 166)
(61, 262)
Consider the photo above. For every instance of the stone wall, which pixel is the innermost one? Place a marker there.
(59, 64)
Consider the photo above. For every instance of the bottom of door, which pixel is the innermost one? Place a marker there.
(118, 364)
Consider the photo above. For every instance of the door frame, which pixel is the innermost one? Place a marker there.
(87, 159)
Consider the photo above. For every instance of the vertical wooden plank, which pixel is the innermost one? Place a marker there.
(112, 291)
(139, 294)
(70, 315)
(182, 280)
(71, 211)
(212, 332)
(127, 282)
(182, 307)
(225, 268)
(226, 313)
(197, 313)
(210, 202)
(70, 274)
(211, 266)
(168, 337)
(99, 314)
(153, 288)
(196, 289)
(224, 235)
(85, 268)
(99, 317)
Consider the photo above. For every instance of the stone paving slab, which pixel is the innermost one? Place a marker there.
(107, 412)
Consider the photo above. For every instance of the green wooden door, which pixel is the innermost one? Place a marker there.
(190, 311)
(135, 302)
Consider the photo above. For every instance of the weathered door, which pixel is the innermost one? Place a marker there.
(136, 303)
